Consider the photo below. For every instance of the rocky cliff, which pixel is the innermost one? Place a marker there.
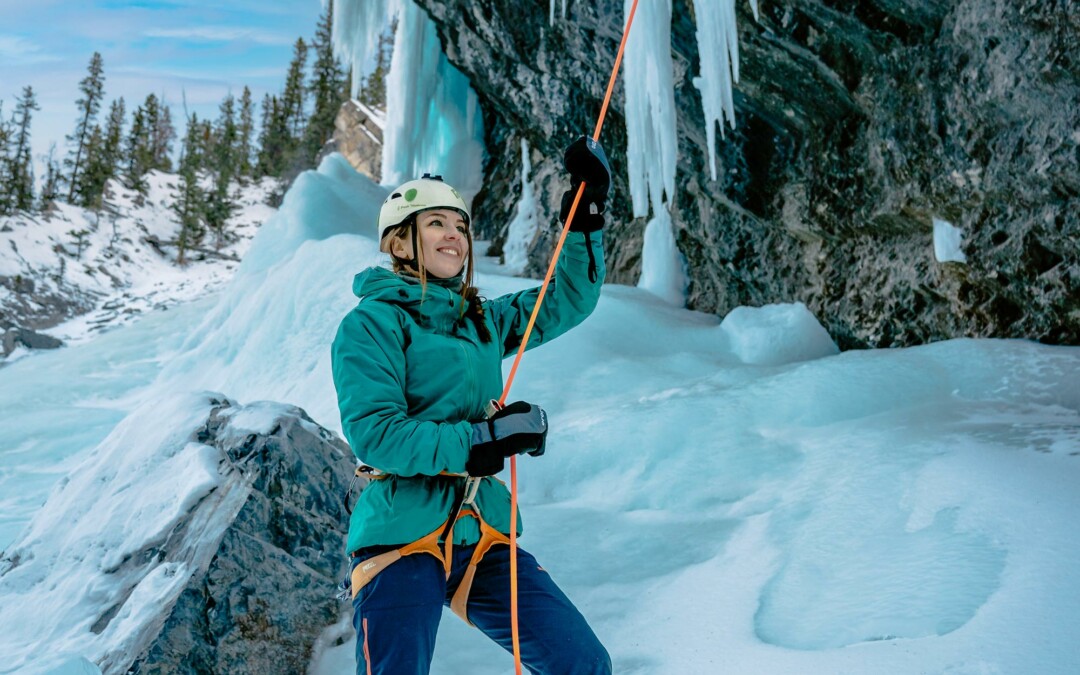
(858, 122)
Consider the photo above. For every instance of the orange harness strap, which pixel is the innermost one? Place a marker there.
(489, 536)
(363, 573)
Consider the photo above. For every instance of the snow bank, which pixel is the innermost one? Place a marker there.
(776, 334)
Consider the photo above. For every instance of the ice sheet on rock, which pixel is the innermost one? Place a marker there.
(93, 569)
(947, 238)
(434, 123)
(776, 334)
(522, 229)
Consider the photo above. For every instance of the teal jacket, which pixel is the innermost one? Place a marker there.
(412, 376)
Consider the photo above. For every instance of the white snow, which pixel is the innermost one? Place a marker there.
(718, 47)
(118, 271)
(947, 239)
(522, 229)
(875, 512)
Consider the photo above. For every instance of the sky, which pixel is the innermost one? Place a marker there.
(176, 49)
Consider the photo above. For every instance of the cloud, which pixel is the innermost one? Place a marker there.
(15, 49)
(220, 34)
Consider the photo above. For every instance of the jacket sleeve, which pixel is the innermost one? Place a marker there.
(570, 297)
(368, 362)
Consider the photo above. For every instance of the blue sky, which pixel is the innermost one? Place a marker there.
(172, 48)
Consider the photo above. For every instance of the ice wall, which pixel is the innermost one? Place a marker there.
(433, 118)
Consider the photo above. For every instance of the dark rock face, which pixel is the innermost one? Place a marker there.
(268, 591)
(858, 122)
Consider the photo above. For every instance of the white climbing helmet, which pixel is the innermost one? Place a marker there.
(408, 199)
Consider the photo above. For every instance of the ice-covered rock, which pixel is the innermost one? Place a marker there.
(776, 334)
(199, 536)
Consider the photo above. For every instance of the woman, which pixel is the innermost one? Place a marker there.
(416, 364)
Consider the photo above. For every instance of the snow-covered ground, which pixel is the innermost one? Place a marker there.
(716, 497)
(113, 265)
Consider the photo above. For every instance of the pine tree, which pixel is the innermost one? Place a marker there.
(273, 138)
(138, 152)
(91, 182)
(93, 89)
(20, 184)
(163, 134)
(245, 130)
(222, 162)
(326, 86)
(103, 157)
(189, 204)
(50, 189)
(293, 98)
(6, 135)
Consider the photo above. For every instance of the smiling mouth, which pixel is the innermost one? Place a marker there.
(450, 251)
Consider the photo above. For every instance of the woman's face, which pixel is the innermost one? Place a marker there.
(442, 236)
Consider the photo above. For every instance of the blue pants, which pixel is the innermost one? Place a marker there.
(397, 614)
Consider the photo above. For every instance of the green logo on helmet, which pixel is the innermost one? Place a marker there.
(410, 194)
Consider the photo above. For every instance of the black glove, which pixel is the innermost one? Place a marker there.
(586, 162)
(517, 428)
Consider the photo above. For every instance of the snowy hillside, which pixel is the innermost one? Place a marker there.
(90, 270)
(717, 496)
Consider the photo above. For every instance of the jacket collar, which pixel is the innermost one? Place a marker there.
(439, 305)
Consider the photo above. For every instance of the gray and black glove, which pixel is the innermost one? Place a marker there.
(517, 428)
(586, 162)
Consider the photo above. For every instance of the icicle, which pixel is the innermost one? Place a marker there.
(522, 229)
(551, 11)
(652, 145)
(718, 48)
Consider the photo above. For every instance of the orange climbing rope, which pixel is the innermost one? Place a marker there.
(525, 341)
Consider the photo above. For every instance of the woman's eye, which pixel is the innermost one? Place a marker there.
(436, 222)
(461, 229)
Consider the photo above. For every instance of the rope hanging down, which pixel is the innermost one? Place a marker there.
(525, 341)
